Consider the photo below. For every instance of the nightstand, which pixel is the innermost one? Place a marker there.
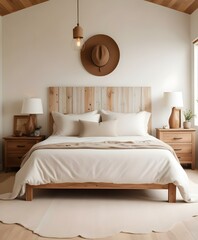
(182, 141)
(16, 147)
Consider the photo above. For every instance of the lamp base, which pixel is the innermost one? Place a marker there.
(175, 118)
(31, 125)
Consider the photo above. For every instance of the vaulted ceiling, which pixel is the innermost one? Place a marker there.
(186, 6)
(10, 6)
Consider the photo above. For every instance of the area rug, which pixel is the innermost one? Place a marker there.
(97, 213)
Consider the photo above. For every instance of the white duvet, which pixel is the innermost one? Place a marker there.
(100, 165)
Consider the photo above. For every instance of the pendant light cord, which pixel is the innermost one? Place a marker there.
(77, 12)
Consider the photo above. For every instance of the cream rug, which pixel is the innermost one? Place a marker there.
(97, 213)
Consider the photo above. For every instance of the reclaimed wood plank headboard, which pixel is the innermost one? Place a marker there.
(84, 99)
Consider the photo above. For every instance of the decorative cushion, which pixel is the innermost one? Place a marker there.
(68, 124)
(129, 123)
(102, 129)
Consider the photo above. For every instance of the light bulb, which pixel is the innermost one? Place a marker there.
(77, 43)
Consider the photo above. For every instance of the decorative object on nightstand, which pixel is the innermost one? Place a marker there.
(182, 141)
(37, 131)
(32, 106)
(16, 147)
(174, 100)
(20, 122)
(188, 116)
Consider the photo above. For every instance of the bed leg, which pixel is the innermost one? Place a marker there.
(28, 193)
(171, 193)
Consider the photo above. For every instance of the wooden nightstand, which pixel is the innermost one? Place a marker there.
(16, 147)
(182, 141)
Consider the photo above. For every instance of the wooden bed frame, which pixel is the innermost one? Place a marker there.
(170, 187)
(83, 99)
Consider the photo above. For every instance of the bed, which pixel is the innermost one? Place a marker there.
(110, 150)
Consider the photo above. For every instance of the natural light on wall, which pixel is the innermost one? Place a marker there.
(196, 82)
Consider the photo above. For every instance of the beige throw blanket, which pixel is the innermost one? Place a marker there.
(147, 144)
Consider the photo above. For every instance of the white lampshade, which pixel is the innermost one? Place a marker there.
(174, 99)
(32, 106)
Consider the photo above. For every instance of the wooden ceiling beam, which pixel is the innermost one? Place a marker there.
(192, 7)
(16, 5)
(25, 3)
(6, 7)
(9, 6)
(187, 6)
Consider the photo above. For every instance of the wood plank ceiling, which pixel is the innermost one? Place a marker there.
(10, 6)
(186, 6)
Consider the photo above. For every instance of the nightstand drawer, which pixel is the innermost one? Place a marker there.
(14, 160)
(16, 147)
(177, 137)
(181, 148)
(18, 155)
(22, 146)
(182, 141)
(184, 158)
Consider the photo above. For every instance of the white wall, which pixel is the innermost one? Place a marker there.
(154, 43)
(194, 25)
(0, 92)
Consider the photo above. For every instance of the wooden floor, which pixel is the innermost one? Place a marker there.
(187, 231)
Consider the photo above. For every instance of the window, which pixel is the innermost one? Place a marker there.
(196, 81)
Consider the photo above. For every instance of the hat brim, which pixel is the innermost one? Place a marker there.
(86, 55)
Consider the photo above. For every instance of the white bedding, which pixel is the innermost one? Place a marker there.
(100, 165)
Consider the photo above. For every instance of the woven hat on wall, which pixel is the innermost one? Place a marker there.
(100, 55)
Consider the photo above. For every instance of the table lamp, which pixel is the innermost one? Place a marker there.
(31, 106)
(174, 100)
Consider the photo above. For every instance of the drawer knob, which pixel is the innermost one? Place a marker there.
(177, 149)
(177, 138)
(20, 146)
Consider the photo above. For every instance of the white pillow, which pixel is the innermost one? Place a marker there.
(129, 123)
(68, 124)
(102, 129)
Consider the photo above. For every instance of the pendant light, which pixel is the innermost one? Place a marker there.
(78, 32)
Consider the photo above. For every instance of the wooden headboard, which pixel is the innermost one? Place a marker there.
(84, 99)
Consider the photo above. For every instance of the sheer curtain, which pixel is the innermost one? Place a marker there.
(195, 77)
